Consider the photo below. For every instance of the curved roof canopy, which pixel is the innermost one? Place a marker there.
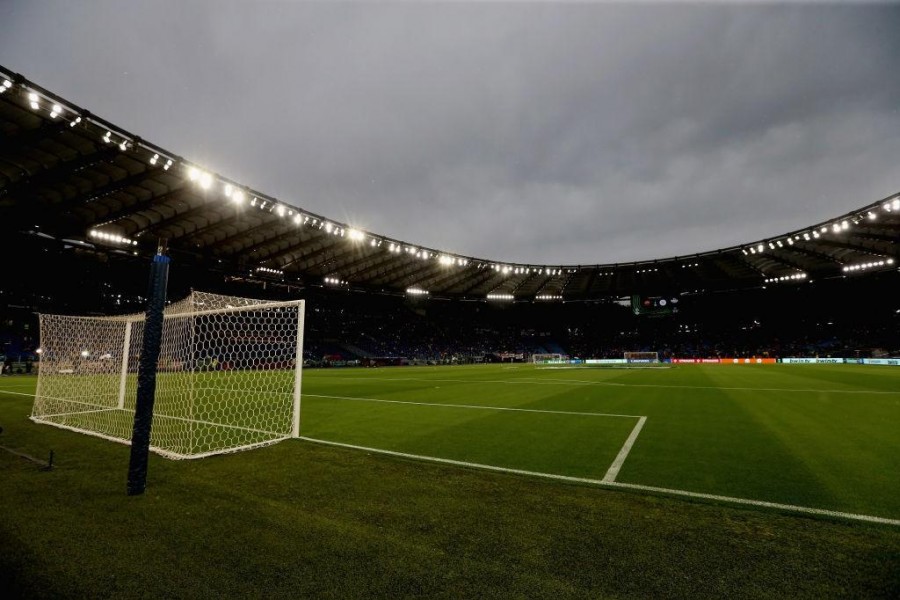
(70, 175)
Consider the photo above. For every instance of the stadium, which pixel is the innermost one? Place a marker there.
(369, 416)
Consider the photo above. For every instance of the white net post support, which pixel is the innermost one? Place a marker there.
(123, 374)
(228, 375)
(298, 373)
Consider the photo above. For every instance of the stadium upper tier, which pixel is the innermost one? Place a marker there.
(93, 187)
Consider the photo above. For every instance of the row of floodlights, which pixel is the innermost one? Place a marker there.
(794, 277)
(113, 238)
(206, 180)
(869, 265)
(413, 291)
(334, 281)
(814, 234)
(269, 271)
(509, 269)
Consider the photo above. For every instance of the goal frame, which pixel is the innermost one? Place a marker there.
(544, 358)
(124, 375)
(640, 357)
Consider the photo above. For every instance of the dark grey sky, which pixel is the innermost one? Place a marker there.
(546, 133)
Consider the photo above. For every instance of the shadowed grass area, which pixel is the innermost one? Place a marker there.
(299, 519)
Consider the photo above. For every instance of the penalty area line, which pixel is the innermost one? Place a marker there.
(616, 466)
(806, 510)
(476, 407)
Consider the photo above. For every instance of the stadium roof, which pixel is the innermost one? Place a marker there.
(72, 176)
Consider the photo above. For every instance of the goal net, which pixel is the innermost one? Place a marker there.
(641, 357)
(228, 376)
(541, 359)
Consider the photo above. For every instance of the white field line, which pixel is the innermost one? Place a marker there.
(81, 412)
(614, 468)
(630, 486)
(476, 407)
(2, 391)
(581, 382)
(131, 410)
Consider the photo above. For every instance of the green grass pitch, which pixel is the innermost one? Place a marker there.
(301, 518)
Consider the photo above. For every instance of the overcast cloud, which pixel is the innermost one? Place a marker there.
(546, 133)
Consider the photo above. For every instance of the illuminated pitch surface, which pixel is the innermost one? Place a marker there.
(819, 436)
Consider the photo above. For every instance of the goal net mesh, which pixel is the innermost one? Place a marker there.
(547, 358)
(641, 357)
(228, 375)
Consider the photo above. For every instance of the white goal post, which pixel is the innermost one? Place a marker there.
(228, 375)
(548, 358)
(641, 357)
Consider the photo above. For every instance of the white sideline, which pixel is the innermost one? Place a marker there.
(477, 407)
(616, 466)
(525, 381)
(614, 484)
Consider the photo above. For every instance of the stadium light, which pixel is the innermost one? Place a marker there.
(34, 101)
(836, 228)
(154, 159)
(73, 123)
(280, 210)
(5, 85)
(269, 271)
(760, 248)
(206, 180)
(55, 111)
(238, 196)
(413, 291)
(506, 297)
(356, 235)
(896, 204)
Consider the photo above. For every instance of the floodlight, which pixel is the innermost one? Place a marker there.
(238, 196)
(193, 173)
(228, 190)
(356, 235)
(206, 180)
(896, 204)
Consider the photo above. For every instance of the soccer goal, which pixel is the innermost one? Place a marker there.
(641, 357)
(228, 376)
(543, 359)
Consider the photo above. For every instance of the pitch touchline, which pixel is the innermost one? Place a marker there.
(611, 383)
(614, 484)
(476, 407)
